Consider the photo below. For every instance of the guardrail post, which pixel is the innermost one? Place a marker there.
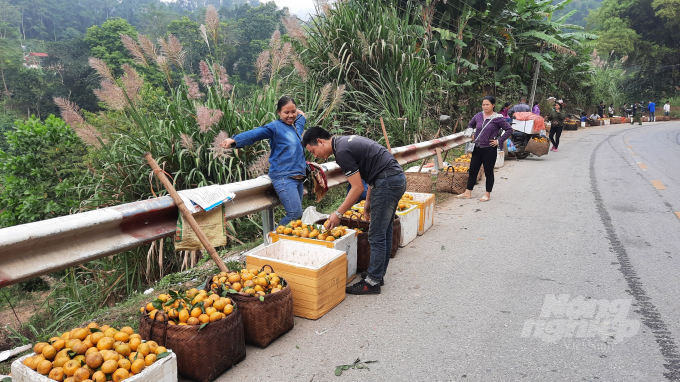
(267, 222)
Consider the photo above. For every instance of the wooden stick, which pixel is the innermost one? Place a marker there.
(387, 140)
(185, 212)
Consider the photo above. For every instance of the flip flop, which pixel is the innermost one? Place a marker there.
(461, 196)
(484, 199)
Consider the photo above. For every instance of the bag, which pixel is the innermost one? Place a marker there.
(202, 355)
(467, 133)
(538, 148)
(267, 319)
(213, 225)
(318, 181)
(469, 147)
(511, 146)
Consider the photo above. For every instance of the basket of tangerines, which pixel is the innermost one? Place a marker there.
(311, 231)
(96, 354)
(454, 178)
(264, 299)
(193, 324)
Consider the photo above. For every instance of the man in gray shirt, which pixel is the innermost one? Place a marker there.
(521, 106)
(363, 159)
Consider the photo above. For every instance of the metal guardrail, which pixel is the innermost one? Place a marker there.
(38, 248)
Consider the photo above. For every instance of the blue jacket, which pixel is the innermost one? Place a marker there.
(651, 107)
(287, 157)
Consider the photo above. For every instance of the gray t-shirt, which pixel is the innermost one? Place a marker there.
(358, 154)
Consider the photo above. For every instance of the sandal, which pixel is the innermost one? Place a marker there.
(484, 199)
(462, 196)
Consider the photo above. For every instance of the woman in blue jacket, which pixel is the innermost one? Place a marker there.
(287, 168)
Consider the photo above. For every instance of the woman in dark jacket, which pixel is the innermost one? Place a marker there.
(557, 124)
(487, 125)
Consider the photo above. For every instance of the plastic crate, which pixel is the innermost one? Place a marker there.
(410, 221)
(164, 370)
(425, 203)
(316, 274)
(347, 244)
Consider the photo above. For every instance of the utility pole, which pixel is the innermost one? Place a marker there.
(533, 87)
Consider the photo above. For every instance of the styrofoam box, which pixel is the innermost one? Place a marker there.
(316, 274)
(347, 244)
(526, 127)
(410, 221)
(164, 370)
(607, 121)
(425, 203)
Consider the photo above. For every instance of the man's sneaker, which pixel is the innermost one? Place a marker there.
(362, 287)
(364, 274)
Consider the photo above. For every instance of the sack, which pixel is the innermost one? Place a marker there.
(538, 148)
(213, 225)
(264, 320)
(202, 355)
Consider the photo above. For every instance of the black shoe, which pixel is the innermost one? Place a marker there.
(362, 287)
(364, 274)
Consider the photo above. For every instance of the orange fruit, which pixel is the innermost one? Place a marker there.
(80, 359)
(60, 361)
(120, 375)
(80, 334)
(44, 367)
(70, 367)
(234, 278)
(196, 312)
(236, 286)
(160, 349)
(124, 364)
(207, 303)
(36, 360)
(184, 315)
(93, 325)
(105, 343)
(203, 318)
(150, 359)
(109, 366)
(110, 332)
(59, 344)
(134, 343)
(81, 374)
(91, 350)
(56, 374)
(94, 360)
(65, 336)
(49, 352)
(80, 347)
(123, 350)
(149, 307)
(135, 336)
(143, 349)
(39, 347)
(99, 376)
(193, 321)
(219, 304)
(330, 238)
(121, 336)
(28, 361)
(138, 366)
(152, 346)
(95, 337)
(228, 309)
(216, 316)
(210, 310)
(109, 355)
(197, 299)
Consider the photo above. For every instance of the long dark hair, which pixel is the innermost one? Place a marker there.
(283, 101)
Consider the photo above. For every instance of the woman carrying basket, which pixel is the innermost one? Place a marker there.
(488, 125)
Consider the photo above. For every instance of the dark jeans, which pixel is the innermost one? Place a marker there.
(363, 194)
(555, 133)
(486, 156)
(652, 118)
(385, 195)
(290, 192)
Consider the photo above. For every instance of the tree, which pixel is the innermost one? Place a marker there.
(40, 171)
(105, 43)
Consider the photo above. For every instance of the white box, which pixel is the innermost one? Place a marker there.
(164, 370)
(526, 127)
(347, 244)
(583, 124)
(410, 220)
(425, 203)
(607, 121)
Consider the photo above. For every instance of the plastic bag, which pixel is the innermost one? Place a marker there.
(511, 146)
(311, 215)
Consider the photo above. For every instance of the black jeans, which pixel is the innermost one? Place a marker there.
(486, 156)
(555, 133)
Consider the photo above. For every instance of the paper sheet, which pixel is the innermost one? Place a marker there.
(206, 198)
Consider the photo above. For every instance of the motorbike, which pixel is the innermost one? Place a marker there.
(520, 139)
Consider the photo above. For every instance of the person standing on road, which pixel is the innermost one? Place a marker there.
(636, 114)
(288, 167)
(487, 125)
(363, 159)
(557, 117)
(652, 109)
(520, 107)
(667, 108)
(611, 110)
(536, 110)
(600, 109)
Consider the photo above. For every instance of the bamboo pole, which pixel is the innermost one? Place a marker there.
(387, 140)
(185, 212)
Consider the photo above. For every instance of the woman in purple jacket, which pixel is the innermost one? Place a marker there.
(487, 125)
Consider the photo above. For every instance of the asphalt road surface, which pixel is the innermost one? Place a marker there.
(569, 273)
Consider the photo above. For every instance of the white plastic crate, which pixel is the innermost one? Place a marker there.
(526, 127)
(410, 220)
(164, 370)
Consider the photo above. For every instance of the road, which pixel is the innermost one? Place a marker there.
(570, 273)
